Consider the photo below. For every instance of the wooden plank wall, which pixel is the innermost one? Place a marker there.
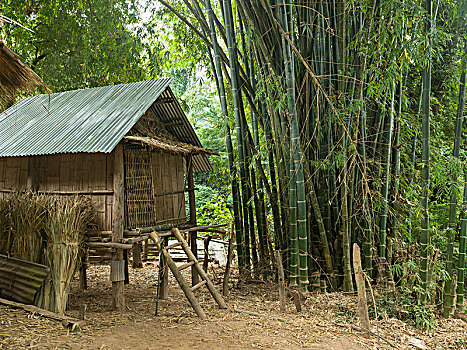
(13, 173)
(64, 172)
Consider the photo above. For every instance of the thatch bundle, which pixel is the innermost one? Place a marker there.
(48, 230)
(15, 76)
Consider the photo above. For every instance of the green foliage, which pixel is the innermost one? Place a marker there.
(77, 43)
(424, 317)
(215, 211)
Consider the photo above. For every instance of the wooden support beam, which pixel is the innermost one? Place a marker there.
(192, 205)
(127, 275)
(113, 245)
(173, 125)
(118, 296)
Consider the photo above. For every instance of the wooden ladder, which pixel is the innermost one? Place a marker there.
(192, 261)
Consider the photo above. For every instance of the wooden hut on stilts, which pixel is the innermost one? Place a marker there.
(129, 148)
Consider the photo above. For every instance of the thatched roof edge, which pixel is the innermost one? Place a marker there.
(15, 75)
(170, 146)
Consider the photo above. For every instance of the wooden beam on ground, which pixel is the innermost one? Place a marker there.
(118, 264)
(66, 320)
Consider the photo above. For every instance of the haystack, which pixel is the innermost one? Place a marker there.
(48, 230)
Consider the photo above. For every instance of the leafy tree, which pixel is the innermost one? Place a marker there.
(77, 43)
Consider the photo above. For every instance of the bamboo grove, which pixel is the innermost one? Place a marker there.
(327, 109)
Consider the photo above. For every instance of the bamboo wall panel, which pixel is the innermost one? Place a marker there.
(139, 190)
(151, 179)
(64, 172)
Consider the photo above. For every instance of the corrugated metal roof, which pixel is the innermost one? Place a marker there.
(20, 279)
(90, 120)
(87, 120)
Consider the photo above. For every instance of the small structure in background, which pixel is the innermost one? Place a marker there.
(15, 77)
(129, 148)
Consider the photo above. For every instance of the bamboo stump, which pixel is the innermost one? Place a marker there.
(281, 278)
(360, 281)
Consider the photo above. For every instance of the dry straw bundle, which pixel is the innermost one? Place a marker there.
(48, 230)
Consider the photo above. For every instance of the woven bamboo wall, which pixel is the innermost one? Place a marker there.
(80, 172)
(151, 178)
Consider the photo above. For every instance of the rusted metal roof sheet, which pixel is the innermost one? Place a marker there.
(20, 279)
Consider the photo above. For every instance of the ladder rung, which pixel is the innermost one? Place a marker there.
(184, 266)
(199, 285)
(173, 245)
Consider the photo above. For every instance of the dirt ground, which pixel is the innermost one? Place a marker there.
(324, 323)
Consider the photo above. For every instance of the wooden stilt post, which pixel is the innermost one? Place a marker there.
(206, 252)
(192, 205)
(83, 281)
(125, 259)
(136, 251)
(117, 265)
(145, 250)
(164, 283)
